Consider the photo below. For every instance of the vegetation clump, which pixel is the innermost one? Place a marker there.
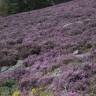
(15, 6)
(8, 87)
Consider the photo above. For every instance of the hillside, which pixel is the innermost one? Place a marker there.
(50, 51)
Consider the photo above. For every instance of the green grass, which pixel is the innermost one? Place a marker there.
(8, 87)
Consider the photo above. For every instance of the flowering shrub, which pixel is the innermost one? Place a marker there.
(45, 41)
(73, 94)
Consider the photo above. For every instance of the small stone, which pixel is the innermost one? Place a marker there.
(76, 52)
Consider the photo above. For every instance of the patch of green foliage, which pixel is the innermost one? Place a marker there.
(40, 92)
(7, 87)
(15, 6)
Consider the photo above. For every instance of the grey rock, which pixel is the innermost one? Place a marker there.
(76, 52)
(5, 68)
(19, 64)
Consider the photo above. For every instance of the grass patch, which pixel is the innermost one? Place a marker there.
(8, 87)
(40, 92)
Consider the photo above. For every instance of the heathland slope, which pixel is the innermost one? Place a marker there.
(50, 52)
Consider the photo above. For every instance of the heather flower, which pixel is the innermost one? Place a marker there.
(73, 94)
(48, 46)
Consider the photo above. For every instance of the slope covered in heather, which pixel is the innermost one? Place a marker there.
(49, 52)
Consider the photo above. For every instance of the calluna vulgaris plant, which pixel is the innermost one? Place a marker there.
(57, 47)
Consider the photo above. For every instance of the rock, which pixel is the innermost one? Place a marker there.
(5, 68)
(57, 72)
(19, 64)
(11, 68)
(76, 52)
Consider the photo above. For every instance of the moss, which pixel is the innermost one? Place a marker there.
(34, 91)
(16, 93)
(45, 94)
(40, 92)
(8, 87)
(4, 91)
(8, 83)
